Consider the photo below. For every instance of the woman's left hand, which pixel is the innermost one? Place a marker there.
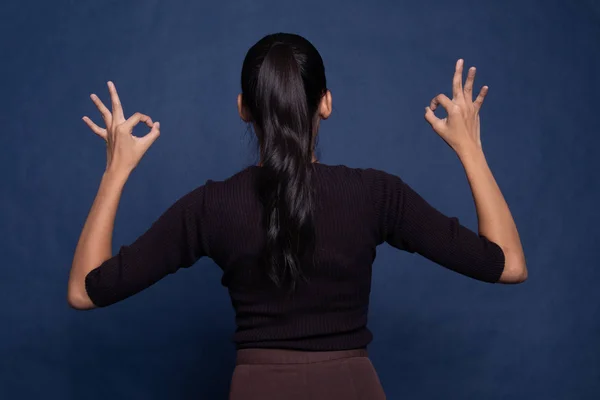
(123, 150)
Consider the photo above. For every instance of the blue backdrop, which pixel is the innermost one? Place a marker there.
(437, 334)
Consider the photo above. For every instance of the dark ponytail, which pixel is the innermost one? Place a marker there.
(283, 81)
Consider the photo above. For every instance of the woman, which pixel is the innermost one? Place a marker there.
(295, 238)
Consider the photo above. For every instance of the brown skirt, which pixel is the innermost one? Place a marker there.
(272, 374)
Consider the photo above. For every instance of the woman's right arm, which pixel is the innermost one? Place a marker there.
(407, 221)
(494, 218)
(461, 131)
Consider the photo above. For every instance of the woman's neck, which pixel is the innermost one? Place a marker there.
(315, 160)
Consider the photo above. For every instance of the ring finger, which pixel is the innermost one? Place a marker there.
(106, 115)
(468, 89)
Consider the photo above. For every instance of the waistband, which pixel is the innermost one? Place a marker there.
(281, 356)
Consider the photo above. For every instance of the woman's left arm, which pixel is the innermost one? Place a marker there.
(177, 239)
(95, 242)
(124, 152)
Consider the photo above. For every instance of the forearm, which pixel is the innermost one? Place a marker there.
(494, 217)
(95, 242)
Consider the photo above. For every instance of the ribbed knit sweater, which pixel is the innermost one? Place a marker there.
(356, 210)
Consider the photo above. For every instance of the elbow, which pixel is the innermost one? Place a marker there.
(513, 276)
(77, 295)
(74, 303)
(518, 277)
(515, 269)
(524, 274)
(78, 301)
(514, 273)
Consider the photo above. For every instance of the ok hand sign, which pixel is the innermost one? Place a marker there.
(460, 129)
(123, 150)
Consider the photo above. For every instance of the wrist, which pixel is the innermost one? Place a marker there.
(115, 176)
(470, 153)
(474, 164)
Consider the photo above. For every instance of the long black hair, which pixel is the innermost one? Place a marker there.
(283, 82)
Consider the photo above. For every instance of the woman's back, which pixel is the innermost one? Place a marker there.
(355, 211)
(328, 309)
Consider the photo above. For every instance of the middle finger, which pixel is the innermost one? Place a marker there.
(457, 80)
(117, 109)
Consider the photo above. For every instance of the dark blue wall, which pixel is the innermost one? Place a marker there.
(437, 334)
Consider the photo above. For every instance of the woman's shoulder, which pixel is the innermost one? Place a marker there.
(245, 178)
(239, 178)
(365, 173)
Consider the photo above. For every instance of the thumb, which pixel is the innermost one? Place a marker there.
(151, 136)
(431, 118)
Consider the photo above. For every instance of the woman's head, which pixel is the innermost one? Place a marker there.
(283, 76)
(284, 96)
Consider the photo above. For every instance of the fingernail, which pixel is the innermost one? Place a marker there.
(157, 124)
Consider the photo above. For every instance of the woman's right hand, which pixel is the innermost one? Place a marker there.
(460, 129)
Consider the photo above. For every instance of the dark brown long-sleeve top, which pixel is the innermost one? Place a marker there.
(357, 209)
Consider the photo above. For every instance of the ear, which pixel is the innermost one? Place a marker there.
(325, 107)
(244, 115)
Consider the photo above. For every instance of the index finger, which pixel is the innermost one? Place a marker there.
(457, 89)
(117, 109)
(136, 119)
(441, 99)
